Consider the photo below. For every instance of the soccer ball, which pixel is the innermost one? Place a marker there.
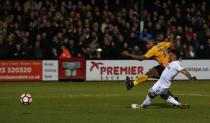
(135, 106)
(26, 98)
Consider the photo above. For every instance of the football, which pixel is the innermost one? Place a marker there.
(26, 98)
(134, 106)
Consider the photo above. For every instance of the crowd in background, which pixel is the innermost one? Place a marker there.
(101, 29)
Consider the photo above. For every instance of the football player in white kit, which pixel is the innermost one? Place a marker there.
(162, 86)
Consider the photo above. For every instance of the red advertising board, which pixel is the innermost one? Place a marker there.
(20, 70)
(72, 68)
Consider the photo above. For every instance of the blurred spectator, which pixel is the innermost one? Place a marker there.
(207, 49)
(108, 48)
(90, 54)
(65, 52)
(136, 50)
(190, 52)
(178, 43)
(39, 28)
(3, 47)
(30, 4)
(38, 51)
(201, 53)
(54, 54)
(11, 46)
(145, 34)
(18, 53)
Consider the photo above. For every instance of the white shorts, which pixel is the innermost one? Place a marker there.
(158, 90)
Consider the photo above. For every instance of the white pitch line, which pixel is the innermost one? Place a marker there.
(117, 95)
(198, 95)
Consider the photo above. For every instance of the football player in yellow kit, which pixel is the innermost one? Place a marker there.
(159, 52)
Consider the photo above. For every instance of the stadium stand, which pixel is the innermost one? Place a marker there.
(101, 29)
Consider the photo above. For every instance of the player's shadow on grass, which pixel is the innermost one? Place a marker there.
(158, 106)
(162, 106)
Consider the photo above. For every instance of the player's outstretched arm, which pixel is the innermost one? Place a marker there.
(126, 53)
(187, 74)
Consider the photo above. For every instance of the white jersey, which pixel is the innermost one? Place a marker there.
(169, 73)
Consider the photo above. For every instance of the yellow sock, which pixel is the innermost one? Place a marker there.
(140, 79)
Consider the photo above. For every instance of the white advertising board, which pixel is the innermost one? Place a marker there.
(199, 68)
(50, 70)
(119, 69)
(116, 69)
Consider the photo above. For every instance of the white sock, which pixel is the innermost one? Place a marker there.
(147, 101)
(173, 101)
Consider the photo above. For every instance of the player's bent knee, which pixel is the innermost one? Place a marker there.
(164, 96)
(152, 73)
(152, 95)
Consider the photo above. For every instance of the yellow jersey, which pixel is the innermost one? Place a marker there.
(159, 52)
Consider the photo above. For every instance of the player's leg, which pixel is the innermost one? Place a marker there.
(129, 83)
(170, 99)
(171, 94)
(159, 69)
(153, 92)
(148, 99)
(173, 101)
(141, 78)
(156, 72)
(152, 73)
(163, 92)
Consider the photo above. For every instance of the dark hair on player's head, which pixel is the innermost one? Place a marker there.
(176, 52)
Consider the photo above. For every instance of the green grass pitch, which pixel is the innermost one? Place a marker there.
(101, 102)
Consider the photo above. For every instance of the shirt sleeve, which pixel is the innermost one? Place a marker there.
(149, 53)
(167, 45)
(179, 66)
